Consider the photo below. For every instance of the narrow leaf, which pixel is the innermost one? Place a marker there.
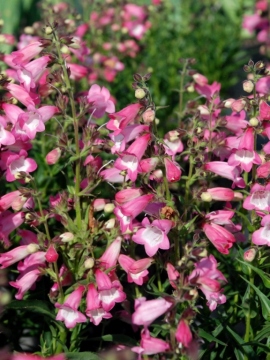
(265, 302)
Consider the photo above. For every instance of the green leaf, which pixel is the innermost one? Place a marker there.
(241, 342)
(265, 278)
(37, 306)
(238, 354)
(263, 333)
(82, 356)
(210, 337)
(265, 302)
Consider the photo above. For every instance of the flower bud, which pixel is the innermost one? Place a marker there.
(51, 255)
(228, 103)
(248, 86)
(140, 94)
(238, 105)
(66, 237)
(254, 122)
(53, 156)
(149, 116)
(99, 204)
(89, 263)
(108, 208)
(32, 248)
(250, 254)
(205, 196)
(48, 30)
(109, 224)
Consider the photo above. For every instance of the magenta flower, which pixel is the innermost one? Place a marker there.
(259, 199)
(110, 292)
(99, 98)
(6, 137)
(153, 236)
(136, 270)
(150, 345)
(8, 223)
(183, 333)
(262, 236)
(26, 98)
(94, 310)
(225, 170)
(18, 356)
(209, 279)
(129, 160)
(148, 311)
(119, 120)
(68, 311)
(19, 162)
(24, 282)
(173, 171)
(173, 275)
(111, 254)
(20, 252)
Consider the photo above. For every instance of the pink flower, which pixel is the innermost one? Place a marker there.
(173, 171)
(6, 137)
(136, 270)
(264, 113)
(259, 198)
(148, 311)
(24, 282)
(220, 194)
(17, 163)
(261, 236)
(24, 55)
(111, 254)
(183, 334)
(53, 156)
(26, 98)
(119, 120)
(110, 292)
(153, 236)
(94, 310)
(69, 309)
(129, 160)
(173, 275)
(8, 223)
(173, 144)
(221, 238)
(128, 211)
(51, 254)
(100, 100)
(150, 345)
(126, 195)
(17, 254)
(225, 170)
(209, 279)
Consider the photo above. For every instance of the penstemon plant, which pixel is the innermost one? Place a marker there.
(115, 232)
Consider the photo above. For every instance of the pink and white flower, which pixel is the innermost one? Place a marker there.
(153, 236)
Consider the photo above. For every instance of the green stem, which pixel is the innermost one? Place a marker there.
(247, 337)
(181, 91)
(167, 191)
(76, 133)
(61, 342)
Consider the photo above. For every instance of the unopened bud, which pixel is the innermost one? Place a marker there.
(66, 237)
(48, 30)
(99, 204)
(254, 122)
(108, 208)
(51, 255)
(32, 248)
(5, 298)
(203, 110)
(248, 86)
(64, 49)
(238, 105)
(89, 263)
(2, 22)
(250, 254)
(228, 103)
(109, 224)
(140, 94)
(148, 116)
(190, 88)
(28, 30)
(30, 217)
(53, 156)
(205, 196)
